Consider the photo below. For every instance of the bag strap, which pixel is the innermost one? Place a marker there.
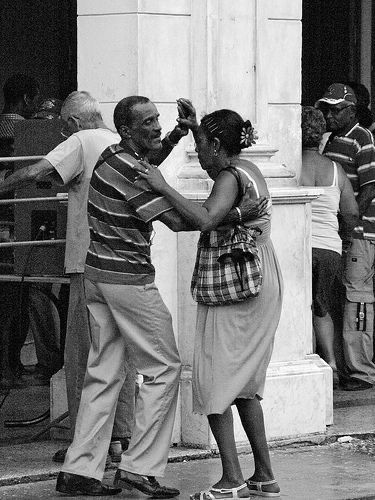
(250, 179)
(241, 186)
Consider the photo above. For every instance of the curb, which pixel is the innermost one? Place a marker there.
(186, 454)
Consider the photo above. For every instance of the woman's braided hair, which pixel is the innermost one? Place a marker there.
(228, 126)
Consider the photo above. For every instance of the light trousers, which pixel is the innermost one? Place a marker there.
(358, 335)
(127, 321)
(77, 346)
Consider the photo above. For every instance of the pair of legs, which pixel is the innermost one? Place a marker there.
(325, 338)
(14, 325)
(126, 320)
(77, 346)
(251, 415)
(327, 304)
(358, 318)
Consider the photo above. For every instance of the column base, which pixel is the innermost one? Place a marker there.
(297, 402)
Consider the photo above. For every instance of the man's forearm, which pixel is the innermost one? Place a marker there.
(26, 175)
(167, 144)
(364, 198)
(16, 180)
(159, 156)
(232, 217)
(347, 223)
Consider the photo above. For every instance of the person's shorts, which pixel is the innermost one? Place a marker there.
(326, 270)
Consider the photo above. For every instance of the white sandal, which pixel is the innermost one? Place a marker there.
(259, 488)
(208, 494)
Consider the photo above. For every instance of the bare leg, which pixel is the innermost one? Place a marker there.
(251, 415)
(325, 337)
(222, 429)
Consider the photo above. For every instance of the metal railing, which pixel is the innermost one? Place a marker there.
(60, 198)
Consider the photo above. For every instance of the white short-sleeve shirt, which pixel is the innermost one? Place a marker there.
(74, 161)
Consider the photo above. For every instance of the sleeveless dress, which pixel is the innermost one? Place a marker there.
(234, 342)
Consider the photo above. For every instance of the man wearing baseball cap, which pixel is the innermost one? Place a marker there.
(352, 146)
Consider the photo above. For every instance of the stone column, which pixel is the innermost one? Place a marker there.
(247, 57)
(243, 55)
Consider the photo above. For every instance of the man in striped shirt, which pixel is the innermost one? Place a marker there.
(127, 315)
(352, 146)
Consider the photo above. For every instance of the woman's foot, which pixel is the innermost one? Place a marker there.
(263, 488)
(219, 493)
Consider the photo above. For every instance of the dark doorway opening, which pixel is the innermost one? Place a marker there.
(40, 38)
(330, 45)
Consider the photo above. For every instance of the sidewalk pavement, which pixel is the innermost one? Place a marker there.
(314, 467)
(326, 472)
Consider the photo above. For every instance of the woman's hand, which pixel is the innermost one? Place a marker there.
(187, 116)
(252, 209)
(151, 175)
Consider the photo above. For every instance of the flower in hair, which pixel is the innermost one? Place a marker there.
(247, 135)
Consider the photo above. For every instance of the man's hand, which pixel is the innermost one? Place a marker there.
(187, 116)
(252, 209)
(186, 120)
(151, 175)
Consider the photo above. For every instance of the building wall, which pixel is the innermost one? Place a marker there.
(245, 55)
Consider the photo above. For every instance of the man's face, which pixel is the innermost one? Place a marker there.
(145, 130)
(70, 124)
(30, 105)
(337, 116)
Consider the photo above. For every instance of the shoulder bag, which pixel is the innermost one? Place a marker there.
(228, 267)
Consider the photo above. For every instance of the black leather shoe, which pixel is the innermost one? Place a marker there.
(356, 385)
(60, 455)
(73, 484)
(145, 484)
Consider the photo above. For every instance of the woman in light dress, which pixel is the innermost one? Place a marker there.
(234, 342)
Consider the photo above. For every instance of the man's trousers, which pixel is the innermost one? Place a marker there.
(359, 311)
(77, 346)
(127, 321)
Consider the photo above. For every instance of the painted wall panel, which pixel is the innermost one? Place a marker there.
(284, 9)
(164, 49)
(108, 56)
(284, 73)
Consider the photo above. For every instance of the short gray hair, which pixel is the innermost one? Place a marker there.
(84, 106)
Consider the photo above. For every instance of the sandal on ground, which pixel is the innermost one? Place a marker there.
(256, 488)
(210, 494)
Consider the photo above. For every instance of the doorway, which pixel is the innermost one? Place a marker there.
(40, 38)
(330, 45)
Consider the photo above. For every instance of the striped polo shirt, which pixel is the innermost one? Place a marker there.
(120, 214)
(355, 151)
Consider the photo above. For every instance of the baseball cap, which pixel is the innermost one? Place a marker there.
(338, 93)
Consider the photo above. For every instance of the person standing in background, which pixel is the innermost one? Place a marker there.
(21, 96)
(352, 146)
(328, 239)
